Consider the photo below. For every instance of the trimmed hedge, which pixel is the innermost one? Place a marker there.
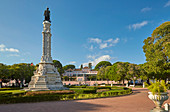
(57, 97)
(73, 86)
(33, 93)
(83, 90)
(14, 88)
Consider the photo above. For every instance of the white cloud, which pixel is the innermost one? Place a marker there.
(138, 25)
(103, 43)
(14, 55)
(97, 60)
(95, 40)
(146, 9)
(3, 48)
(91, 47)
(115, 41)
(2, 45)
(72, 62)
(112, 41)
(167, 4)
(109, 40)
(91, 56)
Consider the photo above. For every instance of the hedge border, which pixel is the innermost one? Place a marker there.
(58, 97)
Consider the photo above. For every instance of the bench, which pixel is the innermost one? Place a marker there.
(131, 85)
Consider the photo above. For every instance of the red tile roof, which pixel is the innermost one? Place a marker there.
(86, 67)
(77, 70)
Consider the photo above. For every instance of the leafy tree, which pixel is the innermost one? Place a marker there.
(133, 73)
(66, 67)
(22, 71)
(66, 78)
(122, 70)
(101, 73)
(90, 65)
(102, 64)
(81, 67)
(107, 72)
(4, 74)
(90, 77)
(59, 66)
(143, 73)
(111, 73)
(37, 65)
(157, 51)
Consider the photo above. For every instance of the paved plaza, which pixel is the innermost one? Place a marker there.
(136, 102)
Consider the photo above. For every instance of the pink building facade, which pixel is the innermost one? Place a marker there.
(80, 74)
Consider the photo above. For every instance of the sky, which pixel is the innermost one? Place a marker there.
(83, 31)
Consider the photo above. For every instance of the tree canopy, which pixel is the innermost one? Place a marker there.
(19, 71)
(101, 73)
(123, 70)
(59, 66)
(102, 64)
(133, 72)
(157, 51)
(66, 67)
(111, 73)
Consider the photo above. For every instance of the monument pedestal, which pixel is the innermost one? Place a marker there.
(46, 77)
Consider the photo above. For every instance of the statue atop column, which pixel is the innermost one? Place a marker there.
(46, 77)
(47, 15)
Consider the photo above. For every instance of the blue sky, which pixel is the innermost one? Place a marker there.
(82, 30)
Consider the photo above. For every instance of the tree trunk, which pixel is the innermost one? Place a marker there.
(148, 81)
(107, 81)
(123, 81)
(0, 83)
(21, 85)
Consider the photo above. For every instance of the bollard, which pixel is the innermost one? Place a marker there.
(143, 85)
(167, 107)
(127, 85)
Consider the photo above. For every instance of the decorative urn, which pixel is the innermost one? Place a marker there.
(158, 99)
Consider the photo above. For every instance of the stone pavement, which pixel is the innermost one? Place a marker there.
(136, 102)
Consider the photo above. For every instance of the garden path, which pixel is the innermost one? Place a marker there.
(136, 102)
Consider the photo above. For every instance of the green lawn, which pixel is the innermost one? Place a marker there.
(13, 91)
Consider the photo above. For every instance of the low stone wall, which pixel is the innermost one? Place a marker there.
(90, 82)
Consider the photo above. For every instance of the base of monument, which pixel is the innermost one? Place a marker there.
(45, 89)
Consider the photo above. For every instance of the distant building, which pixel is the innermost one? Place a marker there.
(80, 74)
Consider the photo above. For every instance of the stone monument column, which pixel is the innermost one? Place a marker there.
(46, 55)
(46, 77)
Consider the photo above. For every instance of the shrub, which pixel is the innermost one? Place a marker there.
(83, 90)
(168, 86)
(38, 96)
(102, 90)
(158, 87)
(33, 93)
(14, 88)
